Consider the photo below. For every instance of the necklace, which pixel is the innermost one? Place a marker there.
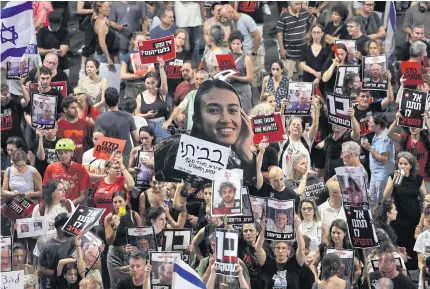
(308, 226)
(282, 265)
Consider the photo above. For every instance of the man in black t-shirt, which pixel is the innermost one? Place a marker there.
(416, 35)
(140, 273)
(353, 26)
(276, 187)
(43, 147)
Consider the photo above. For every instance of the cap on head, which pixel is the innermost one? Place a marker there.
(55, 19)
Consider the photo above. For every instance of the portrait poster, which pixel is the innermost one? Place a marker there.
(111, 74)
(145, 165)
(247, 216)
(412, 72)
(162, 268)
(225, 62)
(106, 146)
(226, 193)
(346, 269)
(314, 189)
(32, 227)
(362, 232)
(351, 47)
(337, 106)
(12, 279)
(61, 86)
(16, 70)
(90, 245)
(17, 207)
(139, 68)
(268, 126)
(374, 73)
(353, 186)
(178, 240)
(227, 243)
(280, 220)
(163, 47)
(299, 98)
(6, 253)
(142, 238)
(43, 111)
(258, 206)
(82, 220)
(342, 70)
(412, 108)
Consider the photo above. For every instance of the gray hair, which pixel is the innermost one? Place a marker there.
(30, 281)
(417, 49)
(298, 156)
(384, 283)
(351, 147)
(217, 34)
(262, 108)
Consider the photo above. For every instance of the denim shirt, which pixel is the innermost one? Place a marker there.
(382, 144)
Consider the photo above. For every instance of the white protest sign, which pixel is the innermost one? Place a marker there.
(32, 227)
(201, 158)
(12, 280)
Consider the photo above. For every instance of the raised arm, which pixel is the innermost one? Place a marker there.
(390, 186)
(396, 137)
(259, 250)
(390, 94)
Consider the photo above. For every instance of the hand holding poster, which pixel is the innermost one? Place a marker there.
(106, 146)
(352, 182)
(299, 98)
(90, 246)
(202, 158)
(12, 280)
(269, 126)
(226, 193)
(412, 107)
(32, 227)
(412, 72)
(145, 169)
(247, 216)
(360, 226)
(61, 86)
(227, 242)
(225, 61)
(162, 268)
(375, 73)
(6, 253)
(43, 111)
(342, 70)
(142, 238)
(17, 70)
(338, 107)
(280, 220)
(178, 240)
(346, 269)
(139, 68)
(164, 47)
(17, 207)
(82, 220)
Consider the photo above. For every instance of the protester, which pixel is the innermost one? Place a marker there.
(167, 26)
(386, 212)
(336, 28)
(140, 273)
(94, 84)
(330, 266)
(311, 223)
(276, 82)
(422, 243)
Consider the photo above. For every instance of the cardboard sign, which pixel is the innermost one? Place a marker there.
(199, 157)
(61, 86)
(90, 244)
(12, 280)
(139, 68)
(6, 253)
(299, 98)
(280, 220)
(227, 195)
(342, 70)
(17, 207)
(178, 240)
(352, 182)
(82, 220)
(412, 73)
(412, 108)
(375, 73)
(360, 226)
(247, 214)
(158, 275)
(226, 62)
(43, 111)
(227, 243)
(164, 47)
(346, 269)
(16, 70)
(106, 146)
(32, 227)
(269, 126)
(337, 107)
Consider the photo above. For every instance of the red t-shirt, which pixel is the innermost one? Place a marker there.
(94, 113)
(419, 151)
(75, 179)
(79, 132)
(103, 195)
(182, 90)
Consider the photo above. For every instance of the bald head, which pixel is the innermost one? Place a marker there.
(276, 178)
(228, 12)
(333, 188)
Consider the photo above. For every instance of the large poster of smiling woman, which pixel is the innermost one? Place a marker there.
(221, 138)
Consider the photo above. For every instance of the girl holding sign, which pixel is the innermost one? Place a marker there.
(330, 67)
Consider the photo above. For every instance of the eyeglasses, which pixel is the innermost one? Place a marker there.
(307, 209)
(281, 248)
(19, 166)
(350, 26)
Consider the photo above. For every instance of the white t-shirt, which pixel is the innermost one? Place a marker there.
(187, 14)
(329, 214)
(96, 166)
(293, 148)
(422, 245)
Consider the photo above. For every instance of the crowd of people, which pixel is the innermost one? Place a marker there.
(52, 163)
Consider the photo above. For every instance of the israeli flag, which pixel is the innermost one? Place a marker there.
(390, 27)
(184, 277)
(18, 37)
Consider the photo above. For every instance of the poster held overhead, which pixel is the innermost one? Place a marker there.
(16, 70)
(268, 126)
(226, 193)
(412, 108)
(362, 232)
(142, 238)
(90, 244)
(178, 240)
(82, 220)
(352, 182)
(337, 106)
(412, 72)
(43, 111)
(374, 73)
(145, 172)
(280, 220)
(299, 98)
(106, 146)
(227, 242)
(163, 47)
(247, 215)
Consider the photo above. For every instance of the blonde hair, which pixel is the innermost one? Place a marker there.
(262, 109)
(90, 283)
(266, 95)
(187, 38)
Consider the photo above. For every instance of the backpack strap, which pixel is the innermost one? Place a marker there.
(302, 140)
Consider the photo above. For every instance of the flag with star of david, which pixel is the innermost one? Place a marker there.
(17, 35)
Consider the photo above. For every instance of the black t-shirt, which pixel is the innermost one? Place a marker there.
(360, 42)
(404, 53)
(288, 275)
(406, 196)
(270, 158)
(62, 283)
(315, 63)
(332, 149)
(267, 191)
(400, 281)
(54, 92)
(60, 76)
(173, 69)
(11, 116)
(249, 256)
(128, 284)
(50, 155)
(47, 39)
(337, 31)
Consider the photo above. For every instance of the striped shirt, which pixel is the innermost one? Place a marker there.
(294, 31)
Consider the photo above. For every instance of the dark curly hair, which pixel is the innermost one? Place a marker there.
(330, 265)
(47, 194)
(381, 212)
(341, 224)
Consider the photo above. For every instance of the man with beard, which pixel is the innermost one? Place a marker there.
(140, 273)
(280, 224)
(375, 73)
(188, 72)
(227, 191)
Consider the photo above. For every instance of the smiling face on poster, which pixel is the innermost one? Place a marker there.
(227, 195)
(43, 111)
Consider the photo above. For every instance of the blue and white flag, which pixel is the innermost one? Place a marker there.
(390, 28)
(18, 37)
(185, 277)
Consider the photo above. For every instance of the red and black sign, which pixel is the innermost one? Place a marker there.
(412, 72)
(412, 107)
(17, 207)
(82, 220)
(164, 47)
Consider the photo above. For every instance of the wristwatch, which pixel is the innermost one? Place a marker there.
(253, 53)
